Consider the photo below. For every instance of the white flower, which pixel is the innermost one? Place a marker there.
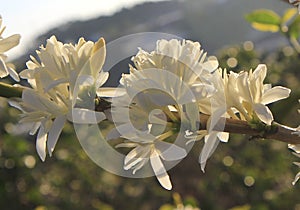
(48, 114)
(67, 64)
(255, 95)
(151, 149)
(185, 59)
(63, 88)
(140, 115)
(237, 93)
(5, 45)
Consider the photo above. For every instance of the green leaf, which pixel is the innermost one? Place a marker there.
(294, 28)
(288, 15)
(264, 20)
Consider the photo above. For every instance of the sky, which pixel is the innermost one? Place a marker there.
(33, 17)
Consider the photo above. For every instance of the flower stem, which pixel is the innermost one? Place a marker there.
(9, 91)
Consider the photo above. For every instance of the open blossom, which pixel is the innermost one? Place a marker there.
(241, 93)
(140, 118)
(255, 95)
(66, 73)
(67, 64)
(185, 59)
(5, 45)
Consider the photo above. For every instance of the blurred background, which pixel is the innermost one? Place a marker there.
(241, 175)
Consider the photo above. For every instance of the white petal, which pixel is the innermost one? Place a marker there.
(223, 136)
(296, 178)
(9, 42)
(54, 133)
(170, 151)
(41, 143)
(263, 113)
(98, 56)
(211, 65)
(211, 143)
(275, 94)
(295, 147)
(55, 83)
(3, 69)
(160, 171)
(34, 128)
(85, 116)
(15, 103)
(101, 78)
(110, 92)
(135, 156)
(13, 74)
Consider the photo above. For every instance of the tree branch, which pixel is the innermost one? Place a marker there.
(276, 131)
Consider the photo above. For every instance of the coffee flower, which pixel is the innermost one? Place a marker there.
(5, 45)
(67, 64)
(185, 59)
(140, 116)
(239, 96)
(255, 95)
(66, 75)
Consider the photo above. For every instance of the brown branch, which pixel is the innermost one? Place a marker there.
(275, 131)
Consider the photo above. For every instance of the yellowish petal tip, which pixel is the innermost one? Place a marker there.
(99, 44)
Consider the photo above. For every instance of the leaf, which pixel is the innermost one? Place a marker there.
(288, 15)
(264, 20)
(294, 28)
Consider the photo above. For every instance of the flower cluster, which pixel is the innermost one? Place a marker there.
(157, 108)
(65, 72)
(5, 45)
(177, 78)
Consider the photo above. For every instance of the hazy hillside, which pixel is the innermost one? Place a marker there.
(214, 23)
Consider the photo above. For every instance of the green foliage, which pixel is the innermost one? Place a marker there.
(264, 20)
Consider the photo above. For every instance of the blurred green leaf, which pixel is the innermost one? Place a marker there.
(264, 20)
(288, 15)
(294, 28)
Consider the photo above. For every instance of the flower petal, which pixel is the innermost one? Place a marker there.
(160, 171)
(211, 143)
(41, 143)
(275, 94)
(54, 133)
(297, 177)
(3, 69)
(13, 74)
(263, 113)
(110, 92)
(9, 42)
